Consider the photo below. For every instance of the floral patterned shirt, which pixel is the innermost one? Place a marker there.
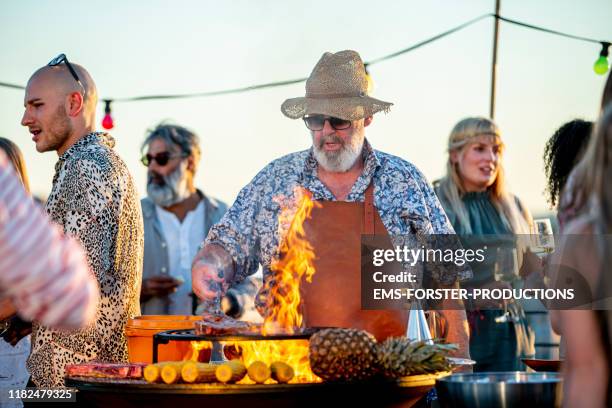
(250, 231)
(94, 199)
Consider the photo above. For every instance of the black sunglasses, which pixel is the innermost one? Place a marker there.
(62, 58)
(317, 122)
(160, 158)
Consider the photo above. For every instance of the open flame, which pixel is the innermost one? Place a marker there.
(284, 316)
(294, 264)
(196, 347)
(292, 352)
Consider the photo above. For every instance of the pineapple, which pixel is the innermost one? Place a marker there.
(400, 356)
(343, 354)
(350, 354)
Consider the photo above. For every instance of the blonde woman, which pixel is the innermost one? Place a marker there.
(474, 196)
(16, 158)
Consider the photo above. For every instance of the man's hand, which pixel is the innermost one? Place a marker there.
(206, 281)
(211, 271)
(158, 286)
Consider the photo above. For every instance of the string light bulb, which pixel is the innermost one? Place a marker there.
(370, 87)
(602, 64)
(107, 122)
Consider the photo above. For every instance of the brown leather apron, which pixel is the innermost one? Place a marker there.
(333, 298)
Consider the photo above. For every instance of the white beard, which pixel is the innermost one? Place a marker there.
(174, 190)
(342, 160)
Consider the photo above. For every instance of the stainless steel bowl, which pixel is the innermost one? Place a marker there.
(500, 389)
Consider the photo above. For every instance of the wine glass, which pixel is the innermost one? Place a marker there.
(544, 240)
(506, 270)
(506, 264)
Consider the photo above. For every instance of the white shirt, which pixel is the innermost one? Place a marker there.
(183, 240)
(13, 373)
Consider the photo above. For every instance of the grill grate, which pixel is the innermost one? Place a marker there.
(190, 335)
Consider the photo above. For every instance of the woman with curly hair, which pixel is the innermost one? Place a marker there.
(561, 154)
(572, 197)
(586, 247)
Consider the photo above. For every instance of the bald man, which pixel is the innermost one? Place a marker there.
(94, 199)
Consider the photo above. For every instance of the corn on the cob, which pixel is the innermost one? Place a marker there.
(281, 372)
(231, 371)
(259, 372)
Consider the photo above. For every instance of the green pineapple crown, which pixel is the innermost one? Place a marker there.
(400, 356)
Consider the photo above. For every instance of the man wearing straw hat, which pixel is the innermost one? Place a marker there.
(360, 191)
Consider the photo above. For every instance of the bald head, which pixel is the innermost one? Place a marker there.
(60, 80)
(58, 108)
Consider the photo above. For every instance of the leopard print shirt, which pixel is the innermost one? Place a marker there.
(95, 200)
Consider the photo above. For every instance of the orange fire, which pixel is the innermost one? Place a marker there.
(295, 264)
(196, 347)
(292, 352)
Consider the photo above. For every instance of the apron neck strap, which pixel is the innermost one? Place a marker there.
(369, 217)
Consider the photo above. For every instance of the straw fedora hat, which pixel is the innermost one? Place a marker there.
(336, 87)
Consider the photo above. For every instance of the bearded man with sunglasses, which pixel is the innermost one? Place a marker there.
(177, 217)
(93, 199)
(357, 189)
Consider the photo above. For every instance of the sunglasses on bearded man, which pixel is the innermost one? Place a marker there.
(317, 122)
(160, 158)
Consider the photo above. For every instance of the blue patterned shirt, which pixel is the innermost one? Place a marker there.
(250, 231)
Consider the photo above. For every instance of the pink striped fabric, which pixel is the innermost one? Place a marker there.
(42, 270)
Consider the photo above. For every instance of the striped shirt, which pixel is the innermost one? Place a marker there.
(43, 271)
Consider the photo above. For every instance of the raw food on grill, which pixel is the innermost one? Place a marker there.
(219, 323)
(105, 370)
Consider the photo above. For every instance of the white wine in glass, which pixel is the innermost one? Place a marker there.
(544, 240)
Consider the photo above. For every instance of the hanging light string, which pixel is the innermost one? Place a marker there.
(429, 40)
(547, 30)
(7, 85)
(213, 93)
(603, 54)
